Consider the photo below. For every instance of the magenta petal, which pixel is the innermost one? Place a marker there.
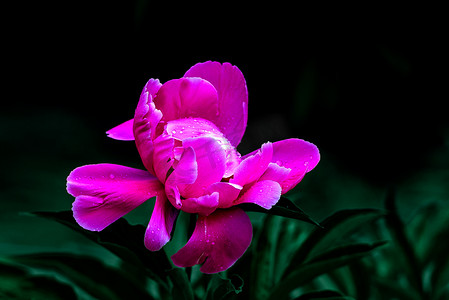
(187, 97)
(163, 156)
(253, 166)
(217, 241)
(276, 173)
(232, 96)
(264, 193)
(161, 224)
(185, 173)
(299, 156)
(211, 160)
(228, 193)
(185, 129)
(122, 132)
(106, 192)
(203, 205)
(146, 119)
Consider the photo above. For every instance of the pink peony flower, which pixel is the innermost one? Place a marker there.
(186, 131)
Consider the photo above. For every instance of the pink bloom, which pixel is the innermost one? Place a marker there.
(186, 131)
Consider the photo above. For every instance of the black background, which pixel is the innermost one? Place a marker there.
(367, 85)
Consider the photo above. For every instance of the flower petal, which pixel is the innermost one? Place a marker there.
(163, 156)
(187, 97)
(217, 241)
(161, 224)
(295, 154)
(146, 120)
(265, 193)
(122, 132)
(230, 84)
(183, 129)
(211, 159)
(228, 193)
(106, 192)
(203, 205)
(253, 166)
(185, 173)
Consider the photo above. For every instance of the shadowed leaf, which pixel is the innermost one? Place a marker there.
(284, 208)
(122, 239)
(17, 283)
(322, 264)
(89, 274)
(336, 226)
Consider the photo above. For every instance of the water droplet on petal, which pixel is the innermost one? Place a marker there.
(112, 176)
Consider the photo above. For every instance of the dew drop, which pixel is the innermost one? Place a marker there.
(112, 176)
(173, 132)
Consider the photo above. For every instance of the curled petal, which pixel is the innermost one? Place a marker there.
(299, 156)
(253, 166)
(230, 84)
(106, 192)
(122, 132)
(162, 155)
(185, 173)
(187, 97)
(211, 158)
(217, 241)
(265, 193)
(186, 129)
(146, 120)
(203, 205)
(161, 224)
(228, 192)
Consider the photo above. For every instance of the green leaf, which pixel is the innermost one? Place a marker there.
(347, 250)
(122, 239)
(182, 289)
(263, 263)
(325, 294)
(283, 208)
(388, 289)
(398, 231)
(336, 227)
(88, 273)
(17, 283)
(321, 264)
(220, 288)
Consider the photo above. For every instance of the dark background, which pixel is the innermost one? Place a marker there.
(367, 85)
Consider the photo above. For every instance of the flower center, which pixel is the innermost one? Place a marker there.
(191, 128)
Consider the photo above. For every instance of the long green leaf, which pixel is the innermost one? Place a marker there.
(88, 273)
(182, 289)
(337, 226)
(283, 208)
(122, 239)
(398, 231)
(322, 264)
(264, 254)
(17, 283)
(325, 294)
